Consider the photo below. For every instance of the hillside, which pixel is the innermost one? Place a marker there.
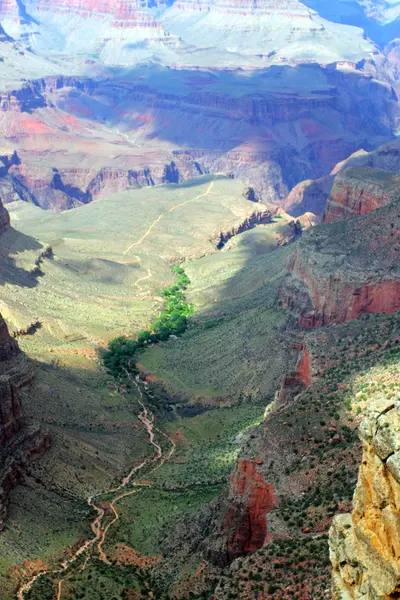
(239, 483)
(199, 390)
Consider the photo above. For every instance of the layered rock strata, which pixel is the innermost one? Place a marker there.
(336, 274)
(365, 545)
(250, 500)
(357, 191)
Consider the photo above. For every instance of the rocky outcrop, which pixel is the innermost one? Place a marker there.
(250, 500)
(20, 442)
(261, 215)
(312, 195)
(336, 274)
(365, 545)
(8, 346)
(4, 220)
(24, 99)
(301, 377)
(292, 8)
(308, 196)
(358, 190)
(26, 446)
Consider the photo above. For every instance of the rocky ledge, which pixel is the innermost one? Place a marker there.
(357, 191)
(336, 274)
(20, 442)
(365, 545)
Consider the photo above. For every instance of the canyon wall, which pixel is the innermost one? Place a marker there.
(171, 125)
(249, 501)
(336, 274)
(358, 190)
(20, 441)
(4, 219)
(365, 545)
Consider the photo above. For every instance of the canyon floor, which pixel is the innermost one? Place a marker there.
(136, 136)
(256, 434)
(109, 262)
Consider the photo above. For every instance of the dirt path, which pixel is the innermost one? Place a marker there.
(144, 236)
(148, 276)
(99, 530)
(147, 418)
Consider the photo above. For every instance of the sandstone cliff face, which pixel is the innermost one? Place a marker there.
(337, 275)
(365, 546)
(301, 377)
(357, 191)
(312, 195)
(250, 500)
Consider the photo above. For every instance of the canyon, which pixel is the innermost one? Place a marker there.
(130, 132)
(169, 111)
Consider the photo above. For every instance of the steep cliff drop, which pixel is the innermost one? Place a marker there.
(337, 273)
(19, 442)
(365, 545)
(251, 498)
(357, 191)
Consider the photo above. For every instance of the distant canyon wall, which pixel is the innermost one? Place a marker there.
(177, 135)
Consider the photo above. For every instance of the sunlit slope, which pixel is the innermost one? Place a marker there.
(233, 347)
(111, 259)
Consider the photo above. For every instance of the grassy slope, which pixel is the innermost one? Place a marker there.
(116, 287)
(88, 294)
(234, 293)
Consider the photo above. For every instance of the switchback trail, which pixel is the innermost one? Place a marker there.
(98, 528)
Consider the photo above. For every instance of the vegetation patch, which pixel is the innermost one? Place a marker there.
(122, 352)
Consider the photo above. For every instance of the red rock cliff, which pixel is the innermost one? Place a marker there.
(345, 269)
(300, 377)
(250, 500)
(357, 191)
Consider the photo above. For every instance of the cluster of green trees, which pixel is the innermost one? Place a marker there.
(121, 353)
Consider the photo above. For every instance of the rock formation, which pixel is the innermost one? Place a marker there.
(4, 219)
(312, 195)
(260, 215)
(20, 442)
(358, 190)
(336, 274)
(179, 130)
(250, 500)
(365, 545)
(301, 377)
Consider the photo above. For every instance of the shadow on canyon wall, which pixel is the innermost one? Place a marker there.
(299, 121)
(16, 242)
(380, 33)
